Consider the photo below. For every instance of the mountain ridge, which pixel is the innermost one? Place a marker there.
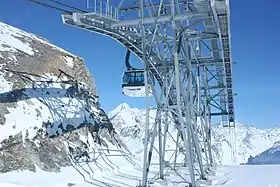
(250, 141)
(269, 156)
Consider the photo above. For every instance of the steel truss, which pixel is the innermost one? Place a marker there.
(185, 46)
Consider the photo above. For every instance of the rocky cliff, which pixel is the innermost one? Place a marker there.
(47, 116)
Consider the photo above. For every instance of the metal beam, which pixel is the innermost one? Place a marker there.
(159, 19)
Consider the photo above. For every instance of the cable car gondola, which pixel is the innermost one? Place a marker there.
(133, 84)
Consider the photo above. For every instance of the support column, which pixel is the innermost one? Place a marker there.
(186, 135)
(146, 71)
(161, 176)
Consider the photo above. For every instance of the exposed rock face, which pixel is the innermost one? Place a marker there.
(18, 155)
(21, 51)
(32, 111)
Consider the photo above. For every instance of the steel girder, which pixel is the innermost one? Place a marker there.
(185, 46)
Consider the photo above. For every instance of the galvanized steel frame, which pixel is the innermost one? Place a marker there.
(185, 46)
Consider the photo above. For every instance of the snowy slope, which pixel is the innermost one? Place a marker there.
(250, 141)
(46, 114)
(269, 156)
(226, 176)
(247, 176)
(25, 52)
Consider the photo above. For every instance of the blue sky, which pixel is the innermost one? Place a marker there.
(255, 48)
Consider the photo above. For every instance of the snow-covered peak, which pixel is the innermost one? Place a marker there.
(124, 116)
(126, 112)
(118, 109)
(123, 105)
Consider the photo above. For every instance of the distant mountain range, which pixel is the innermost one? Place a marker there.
(250, 141)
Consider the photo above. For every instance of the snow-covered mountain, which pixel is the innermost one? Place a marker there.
(269, 156)
(46, 113)
(250, 141)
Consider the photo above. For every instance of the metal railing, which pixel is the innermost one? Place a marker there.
(103, 8)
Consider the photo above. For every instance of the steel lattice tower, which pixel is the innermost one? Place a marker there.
(185, 46)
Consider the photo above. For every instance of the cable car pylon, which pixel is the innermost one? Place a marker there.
(186, 48)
